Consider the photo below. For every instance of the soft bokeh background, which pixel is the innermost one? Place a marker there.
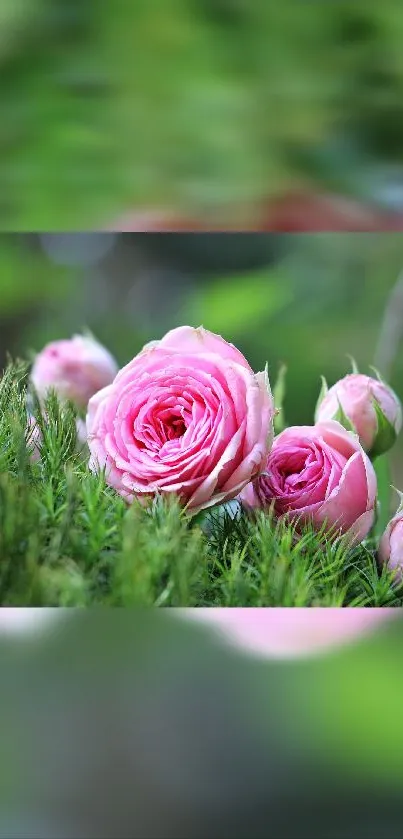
(304, 300)
(138, 724)
(208, 109)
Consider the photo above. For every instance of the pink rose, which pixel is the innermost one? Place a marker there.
(390, 552)
(369, 405)
(75, 369)
(318, 474)
(186, 416)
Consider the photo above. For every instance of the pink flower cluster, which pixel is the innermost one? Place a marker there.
(189, 416)
(323, 473)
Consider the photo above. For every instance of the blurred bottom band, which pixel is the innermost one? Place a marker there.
(136, 723)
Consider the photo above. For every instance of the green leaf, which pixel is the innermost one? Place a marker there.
(377, 374)
(323, 392)
(341, 417)
(279, 391)
(386, 434)
(382, 471)
(354, 365)
(199, 519)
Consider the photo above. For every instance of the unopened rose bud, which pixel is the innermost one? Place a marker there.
(76, 369)
(365, 405)
(390, 551)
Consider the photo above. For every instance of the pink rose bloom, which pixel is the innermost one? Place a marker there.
(186, 416)
(318, 474)
(75, 369)
(390, 552)
(371, 406)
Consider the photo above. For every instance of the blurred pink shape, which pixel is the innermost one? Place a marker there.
(290, 632)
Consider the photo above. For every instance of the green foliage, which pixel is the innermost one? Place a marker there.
(230, 91)
(260, 562)
(386, 434)
(67, 539)
(341, 417)
(323, 392)
(241, 303)
(27, 279)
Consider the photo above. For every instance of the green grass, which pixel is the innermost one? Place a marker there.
(67, 539)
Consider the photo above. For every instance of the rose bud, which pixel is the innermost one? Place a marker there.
(187, 416)
(75, 369)
(365, 405)
(390, 551)
(320, 475)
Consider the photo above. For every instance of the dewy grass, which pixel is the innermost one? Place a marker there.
(67, 539)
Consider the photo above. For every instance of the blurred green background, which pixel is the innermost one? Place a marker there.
(208, 107)
(221, 749)
(305, 300)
